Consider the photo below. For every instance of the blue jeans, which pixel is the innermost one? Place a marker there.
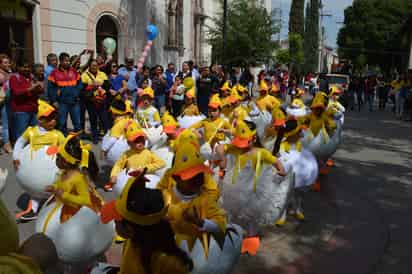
(159, 101)
(5, 122)
(370, 97)
(22, 120)
(64, 110)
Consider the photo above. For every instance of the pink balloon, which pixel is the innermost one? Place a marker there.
(147, 48)
(144, 54)
(139, 65)
(141, 60)
(150, 42)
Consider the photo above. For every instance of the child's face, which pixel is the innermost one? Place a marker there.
(214, 113)
(317, 111)
(147, 101)
(294, 138)
(61, 163)
(47, 124)
(191, 186)
(138, 144)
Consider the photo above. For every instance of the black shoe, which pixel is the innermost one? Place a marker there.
(30, 216)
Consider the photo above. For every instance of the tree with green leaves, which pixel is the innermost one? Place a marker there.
(296, 35)
(376, 32)
(250, 28)
(311, 38)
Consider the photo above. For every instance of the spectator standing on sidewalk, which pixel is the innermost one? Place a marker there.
(64, 89)
(370, 86)
(5, 69)
(93, 99)
(159, 84)
(383, 90)
(206, 86)
(130, 73)
(24, 93)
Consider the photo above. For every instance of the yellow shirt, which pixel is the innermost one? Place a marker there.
(191, 110)
(119, 126)
(133, 160)
(265, 156)
(148, 117)
(297, 102)
(38, 139)
(205, 207)
(240, 112)
(316, 123)
(211, 128)
(160, 263)
(76, 190)
(88, 78)
(267, 102)
(210, 187)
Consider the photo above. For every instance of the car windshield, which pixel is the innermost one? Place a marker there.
(337, 80)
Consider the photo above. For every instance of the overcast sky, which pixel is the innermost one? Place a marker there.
(332, 25)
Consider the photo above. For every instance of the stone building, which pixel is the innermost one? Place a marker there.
(34, 28)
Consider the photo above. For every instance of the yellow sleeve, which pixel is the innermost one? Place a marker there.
(197, 125)
(216, 214)
(26, 134)
(119, 165)
(156, 116)
(61, 138)
(165, 184)
(330, 124)
(155, 163)
(211, 188)
(267, 157)
(81, 187)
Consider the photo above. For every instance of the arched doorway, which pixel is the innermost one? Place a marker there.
(106, 27)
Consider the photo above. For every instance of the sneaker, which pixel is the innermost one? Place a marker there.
(29, 216)
(108, 187)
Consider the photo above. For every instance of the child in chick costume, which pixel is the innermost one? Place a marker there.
(245, 155)
(147, 114)
(140, 215)
(265, 101)
(287, 141)
(121, 111)
(137, 157)
(193, 212)
(73, 188)
(38, 137)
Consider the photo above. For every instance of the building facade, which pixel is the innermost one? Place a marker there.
(38, 27)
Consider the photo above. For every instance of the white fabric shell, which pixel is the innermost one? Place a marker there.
(297, 112)
(246, 207)
(123, 177)
(80, 239)
(119, 146)
(304, 166)
(36, 171)
(219, 261)
(188, 121)
(262, 120)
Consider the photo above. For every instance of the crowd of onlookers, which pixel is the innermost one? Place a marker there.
(76, 89)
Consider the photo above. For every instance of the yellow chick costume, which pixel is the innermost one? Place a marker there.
(38, 137)
(188, 163)
(192, 109)
(149, 116)
(266, 101)
(133, 160)
(167, 182)
(212, 127)
(160, 262)
(316, 123)
(77, 190)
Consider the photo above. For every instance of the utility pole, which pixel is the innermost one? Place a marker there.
(322, 34)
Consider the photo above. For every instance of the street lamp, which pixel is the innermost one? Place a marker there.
(321, 36)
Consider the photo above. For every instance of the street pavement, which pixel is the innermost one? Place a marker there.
(360, 222)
